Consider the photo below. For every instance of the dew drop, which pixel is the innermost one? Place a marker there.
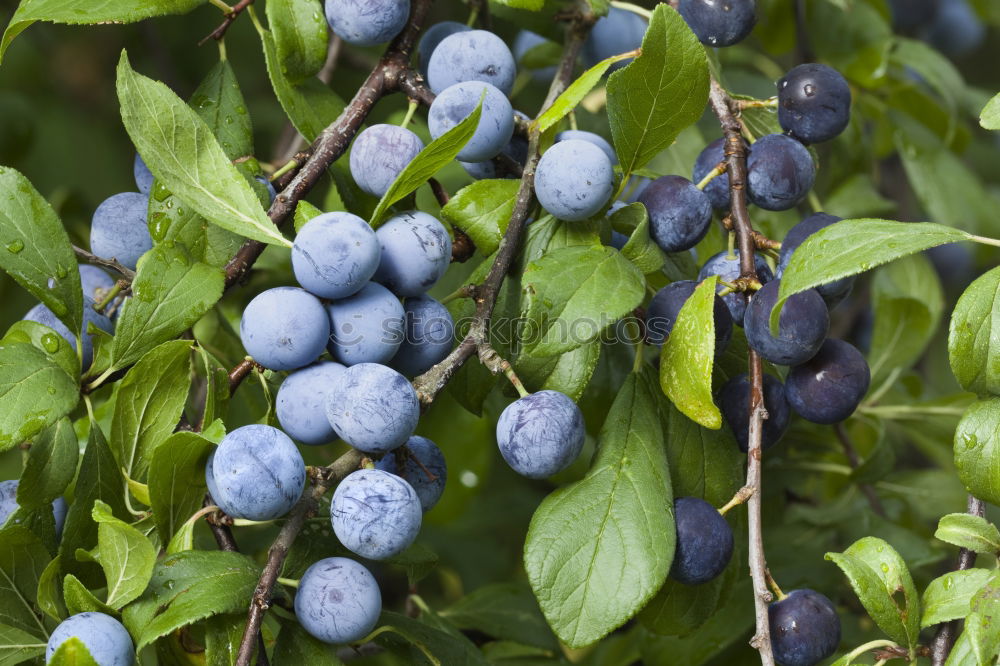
(15, 246)
(51, 341)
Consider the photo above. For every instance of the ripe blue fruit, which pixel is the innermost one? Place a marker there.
(335, 254)
(679, 213)
(375, 514)
(574, 180)
(704, 541)
(814, 102)
(589, 137)
(540, 434)
(373, 408)
(829, 387)
(416, 252)
(284, 328)
(805, 628)
(719, 22)
(118, 228)
(257, 473)
(471, 55)
(727, 267)
(780, 172)
(272, 193)
(431, 38)
(379, 154)
(526, 41)
(734, 403)
(802, 326)
(910, 14)
(496, 124)
(8, 505)
(301, 403)
(43, 315)
(143, 176)
(717, 189)
(516, 149)
(367, 22)
(366, 327)
(421, 463)
(428, 336)
(93, 279)
(618, 32)
(666, 305)
(832, 292)
(338, 600)
(956, 29)
(107, 640)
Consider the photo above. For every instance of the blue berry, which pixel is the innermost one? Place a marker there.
(679, 213)
(375, 514)
(431, 38)
(335, 254)
(719, 22)
(338, 601)
(734, 403)
(803, 325)
(717, 189)
(301, 403)
(8, 505)
(704, 542)
(805, 629)
(496, 124)
(574, 180)
(423, 467)
(727, 267)
(379, 155)
(814, 103)
(526, 41)
(143, 176)
(617, 32)
(828, 387)
(366, 327)
(832, 292)
(367, 22)
(95, 282)
(516, 149)
(106, 639)
(416, 252)
(540, 434)
(284, 328)
(118, 229)
(956, 29)
(471, 55)
(428, 336)
(780, 172)
(666, 305)
(373, 408)
(589, 137)
(43, 315)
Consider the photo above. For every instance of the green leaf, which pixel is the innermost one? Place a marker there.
(977, 449)
(81, 600)
(439, 645)
(503, 610)
(855, 246)
(527, 5)
(50, 466)
(36, 250)
(171, 292)
(149, 403)
(219, 102)
(34, 393)
(574, 94)
(18, 646)
(50, 597)
(597, 550)
(659, 93)
(418, 560)
(482, 210)
(970, 532)
(177, 480)
(45, 339)
(688, 355)
(295, 646)
(72, 652)
(304, 212)
(222, 639)
(23, 557)
(948, 597)
(300, 36)
(981, 624)
(574, 293)
(567, 373)
(436, 154)
(974, 335)
(883, 584)
(640, 249)
(961, 653)
(990, 117)
(181, 151)
(126, 556)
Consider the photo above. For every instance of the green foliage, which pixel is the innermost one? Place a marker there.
(482, 211)
(35, 392)
(974, 336)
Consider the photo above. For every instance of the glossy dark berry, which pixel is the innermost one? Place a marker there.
(665, 306)
(727, 267)
(830, 386)
(832, 292)
(734, 402)
(805, 628)
(679, 213)
(704, 541)
(717, 189)
(814, 102)
(719, 22)
(780, 172)
(802, 326)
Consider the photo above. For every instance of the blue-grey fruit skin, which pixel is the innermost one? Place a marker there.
(805, 629)
(541, 434)
(379, 154)
(213, 489)
(301, 403)
(814, 102)
(910, 14)
(335, 255)
(367, 22)
(143, 176)
(471, 55)
(666, 305)
(8, 505)
(832, 292)
(43, 315)
(956, 29)
(284, 328)
(802, 326)
(728, 268)
(431, 38)
(258, 473)
(717, 189)
(338, 601)
(780, 172)
(118, 228)
(496, 124)
(618, 32)
(734, 403)
(375, 514)
(618, 240)
(373, 408)
(423, 467)
(366, 327)
(272, 193)
(589, 137)
(428, 336)
(92, 279)
(416, 252)
(719, 22)
(828, 387)
(516, 149)
(704, 542)
(107, 640)
(679, 213)
(574, 180)
(524, 42)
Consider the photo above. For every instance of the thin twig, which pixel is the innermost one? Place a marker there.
(92, 258)
(852, 458)
(240, 372)
(220, 32)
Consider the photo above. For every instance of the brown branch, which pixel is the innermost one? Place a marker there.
(944, 639)
(220, 32)
(855, 462)
(240, 372)
(91, 258)
(220, 530)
